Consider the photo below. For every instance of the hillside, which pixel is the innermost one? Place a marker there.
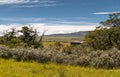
(74, 34)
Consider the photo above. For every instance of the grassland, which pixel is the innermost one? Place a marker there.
(62, 38)
(48, 43)
(12, 68)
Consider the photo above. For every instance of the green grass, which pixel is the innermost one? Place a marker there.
(62, 38)
(48, 43)
(12, 68)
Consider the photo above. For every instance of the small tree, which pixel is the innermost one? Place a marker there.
(9, 35)
(29, 35)
(99, 39)
(105, 38)
(113, 21)
(10, 39)
(40, 42)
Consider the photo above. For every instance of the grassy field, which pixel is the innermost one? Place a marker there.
(11, 68)
(62, 38)
(48, 43)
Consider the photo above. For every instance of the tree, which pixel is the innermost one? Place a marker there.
(98, 39)
(104, 38)
(113, 21)
(41, 38)
(10, 39)
(9, 35)
(29, 35)
(40, 42)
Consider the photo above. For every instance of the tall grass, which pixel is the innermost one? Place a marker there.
(12, 68)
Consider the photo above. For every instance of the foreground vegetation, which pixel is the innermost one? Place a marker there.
(13, 68)
(69, 55)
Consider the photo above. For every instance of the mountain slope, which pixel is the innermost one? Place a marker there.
(75, 34)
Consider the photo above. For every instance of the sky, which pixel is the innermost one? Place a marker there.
(56, 16)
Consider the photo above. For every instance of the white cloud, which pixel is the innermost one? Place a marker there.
(49, 21)
(53, 25)
(72, 23)
(28, 3)
(50, 28)
(106, 12)
(34, 5)
(14, 1)
(40, 19)
(22, 19)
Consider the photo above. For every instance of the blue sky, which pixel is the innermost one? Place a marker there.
(75, 13)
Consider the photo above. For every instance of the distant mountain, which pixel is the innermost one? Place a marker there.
(74, 34)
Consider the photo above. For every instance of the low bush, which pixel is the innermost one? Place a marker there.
(13, 43)
(98, 59)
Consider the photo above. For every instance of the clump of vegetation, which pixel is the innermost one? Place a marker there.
(28, 38)
(97, 59)
(107, 35)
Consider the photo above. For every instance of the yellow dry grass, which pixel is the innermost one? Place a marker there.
(12, 68)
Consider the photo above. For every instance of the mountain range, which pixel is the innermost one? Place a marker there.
(74, 34)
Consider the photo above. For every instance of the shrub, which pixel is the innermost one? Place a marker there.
(98, 59)
(14, 43)
(83, 61)
(105, 59)
(58, 44)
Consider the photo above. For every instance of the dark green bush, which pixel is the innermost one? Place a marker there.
(13, 43)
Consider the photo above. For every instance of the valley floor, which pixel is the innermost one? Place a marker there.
(12, 68)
